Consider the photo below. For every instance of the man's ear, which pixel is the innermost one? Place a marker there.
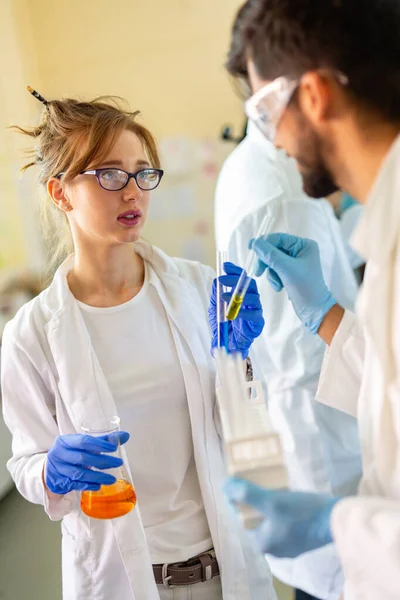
(315, 96)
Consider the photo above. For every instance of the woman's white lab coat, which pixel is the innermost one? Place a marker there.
(361, 375)
(52, 382)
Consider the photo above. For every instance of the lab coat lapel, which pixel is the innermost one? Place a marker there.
(90, 395)
(181, 303)
(377, 232)
(376, 238)
(192, 340)
(75, 359)
(186, 313)
(185, 310)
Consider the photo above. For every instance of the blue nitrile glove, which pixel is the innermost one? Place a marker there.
(294, 523)
(249, 323)
(71, 458)
(294, 263)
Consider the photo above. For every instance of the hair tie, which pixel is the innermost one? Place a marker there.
(37, 95)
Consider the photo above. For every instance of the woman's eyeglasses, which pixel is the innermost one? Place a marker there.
(114, 180)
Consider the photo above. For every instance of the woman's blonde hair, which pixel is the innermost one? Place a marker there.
(70, 136)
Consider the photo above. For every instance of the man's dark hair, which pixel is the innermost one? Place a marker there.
(236, 63)
(360, 38)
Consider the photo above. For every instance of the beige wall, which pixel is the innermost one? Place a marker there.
(17, 230)
(164, 56)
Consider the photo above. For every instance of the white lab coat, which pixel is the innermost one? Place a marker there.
(52, 382)
(348, 222)
(361, 375)
(321, 445)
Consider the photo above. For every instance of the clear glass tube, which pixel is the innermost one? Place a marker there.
(119, 498)
(222, 323)
(245, 278)
(241, 288)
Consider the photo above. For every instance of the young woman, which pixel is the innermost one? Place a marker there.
(122, 330)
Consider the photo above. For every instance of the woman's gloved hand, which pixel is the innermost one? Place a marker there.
(294, 263)
(294, 522)
(249, 323)
(71, 458)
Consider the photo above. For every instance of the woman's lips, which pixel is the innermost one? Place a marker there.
(130, 218)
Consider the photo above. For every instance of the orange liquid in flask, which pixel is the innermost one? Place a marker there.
(110, 502)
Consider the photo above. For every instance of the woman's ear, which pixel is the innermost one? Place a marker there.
(55, 190)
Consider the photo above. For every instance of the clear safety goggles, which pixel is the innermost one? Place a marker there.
(266, 107)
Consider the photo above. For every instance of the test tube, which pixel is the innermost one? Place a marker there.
(246, 276)
(222, 322)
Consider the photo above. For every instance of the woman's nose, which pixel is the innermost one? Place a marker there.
(132, 191)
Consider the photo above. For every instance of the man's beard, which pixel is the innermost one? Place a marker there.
(318, 182)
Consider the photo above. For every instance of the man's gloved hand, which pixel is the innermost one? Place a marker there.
(294, 263)
(294, 522)
(71, 458)
(249, 323)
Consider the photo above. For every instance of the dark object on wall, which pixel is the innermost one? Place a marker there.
(227, 135)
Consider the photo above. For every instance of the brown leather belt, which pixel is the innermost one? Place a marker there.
(196, 570)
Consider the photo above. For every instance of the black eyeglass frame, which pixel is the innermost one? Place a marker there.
(97, 174)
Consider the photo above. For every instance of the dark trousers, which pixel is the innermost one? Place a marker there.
(300, 595)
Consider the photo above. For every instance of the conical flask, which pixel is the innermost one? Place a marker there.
(119, 498)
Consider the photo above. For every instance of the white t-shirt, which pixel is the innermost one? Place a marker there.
(136, 351)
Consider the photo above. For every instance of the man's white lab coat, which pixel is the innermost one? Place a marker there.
(348, 223)
(361, 375)
(321, 445)
(52, 382)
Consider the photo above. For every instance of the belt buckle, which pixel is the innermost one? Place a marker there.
(165, 576)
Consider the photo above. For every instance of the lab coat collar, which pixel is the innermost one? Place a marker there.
(58, 295)
(264, 145)
(379, 228)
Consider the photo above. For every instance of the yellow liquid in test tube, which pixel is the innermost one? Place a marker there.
(234, 307)
(244, 280)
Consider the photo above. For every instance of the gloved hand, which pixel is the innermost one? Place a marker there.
(69, 462)
(294, 263)
(294, 523)
(249, 323)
